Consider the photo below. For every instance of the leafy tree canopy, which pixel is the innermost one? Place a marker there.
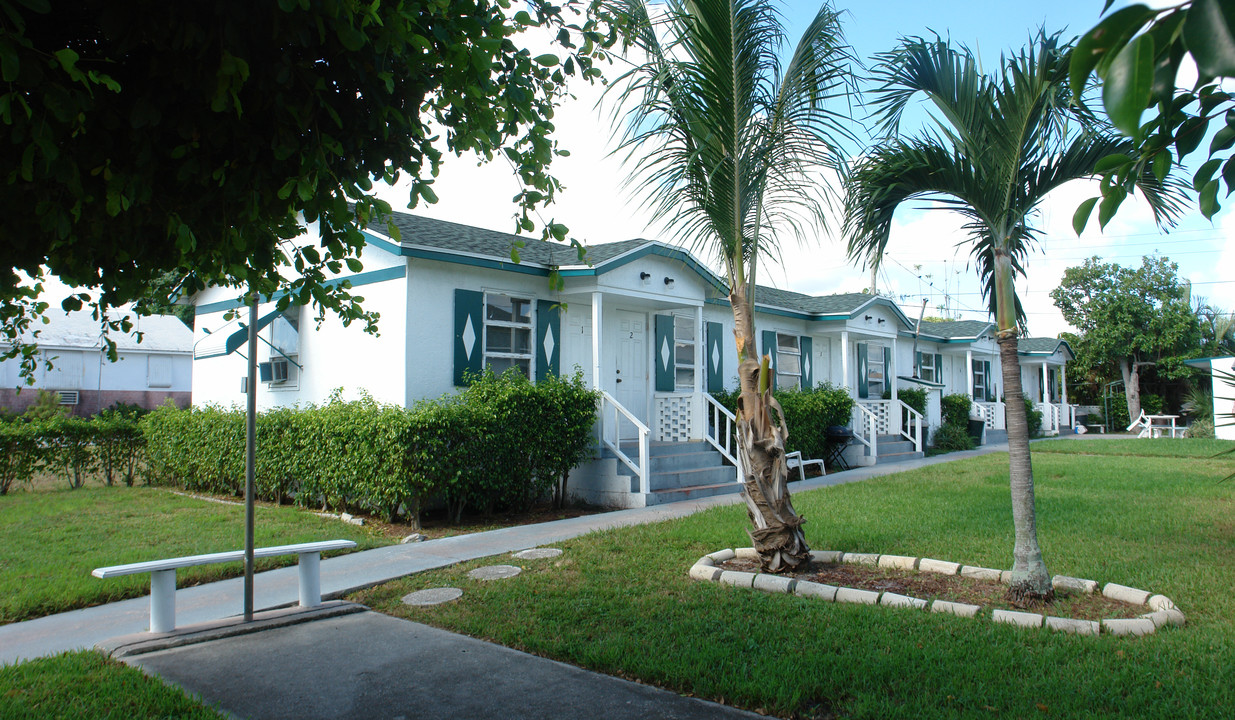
(1137, 52)
(1142, 315)
(142, 138)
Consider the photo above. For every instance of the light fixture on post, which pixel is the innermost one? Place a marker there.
(669, 282)
(867, 319)
(882, 321)
(645, 278)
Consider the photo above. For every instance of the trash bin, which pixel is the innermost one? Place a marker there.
(975, 430)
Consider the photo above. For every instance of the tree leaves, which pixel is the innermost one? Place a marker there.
(1209, 33)
(1129, 80)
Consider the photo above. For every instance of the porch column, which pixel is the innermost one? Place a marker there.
(969, 373)
(844, 363)
(698, 424)
(897, 419)
(596, 378)
(1063, 383)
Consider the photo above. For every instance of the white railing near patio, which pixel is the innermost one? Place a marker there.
(911, 425)
(1050, 417)
(720, 429)
(611, 436)
(675, 417)
(992, 414)
(866, 427)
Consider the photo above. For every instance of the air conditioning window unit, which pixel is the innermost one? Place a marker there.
(279, 370)
(69, 397)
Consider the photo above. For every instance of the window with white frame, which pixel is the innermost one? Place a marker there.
(508, 333)
(788, 362)
(876, 372)
(684, 348)
(926, 367)
(979, 381)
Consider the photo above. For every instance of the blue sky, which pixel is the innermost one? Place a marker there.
(922, 261)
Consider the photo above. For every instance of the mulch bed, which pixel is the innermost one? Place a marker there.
(955, 588)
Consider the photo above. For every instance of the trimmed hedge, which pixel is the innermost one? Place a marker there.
(808, 414)
(74, 448)
(954, 434)
(501, 444)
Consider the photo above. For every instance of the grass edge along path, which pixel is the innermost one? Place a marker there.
(87, 686)
(50, 541)
(620, 601)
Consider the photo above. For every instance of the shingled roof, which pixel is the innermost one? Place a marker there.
(1041, 346)
(955, 329)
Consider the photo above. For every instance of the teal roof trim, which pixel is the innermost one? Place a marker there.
(357, 280)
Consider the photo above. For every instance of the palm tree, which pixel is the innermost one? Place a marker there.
(1000, 144)
(721, 135)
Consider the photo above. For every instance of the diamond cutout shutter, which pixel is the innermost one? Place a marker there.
(469, 335)
(664, 354)
(548, 339)
(715, 358)
(938, 369)
(863, 388)
(806, 346)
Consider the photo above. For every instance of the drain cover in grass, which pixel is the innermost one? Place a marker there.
(538, 553)
(494, 572)
(432, 596)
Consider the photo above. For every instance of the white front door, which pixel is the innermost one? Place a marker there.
(630, 367)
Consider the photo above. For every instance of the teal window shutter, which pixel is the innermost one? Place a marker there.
(663, 353)
(863, 388)
(990, 381)
(805, 346)
(917, 365)
(938, 368)
(715, 357)
(887, 369)
(469, 335)
(548, 339)
(769, 348)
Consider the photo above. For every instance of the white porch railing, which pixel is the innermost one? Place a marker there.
(911, 420)
(866, 427)
(992, 414)
(1050, 417)
(611, 436)
(720, 428)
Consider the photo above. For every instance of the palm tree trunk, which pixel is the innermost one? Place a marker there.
(1031, 583)
(777, 533)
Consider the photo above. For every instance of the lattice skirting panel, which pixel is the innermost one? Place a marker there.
(673, 418)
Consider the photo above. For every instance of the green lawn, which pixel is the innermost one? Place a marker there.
(620, 601)
(50, 541)
(85, 686)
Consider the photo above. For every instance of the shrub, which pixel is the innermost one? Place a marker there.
(503, 443)
(955, 409)
(1200, 428)
(913, 397)
(1034, 417)
(20, 453)
(46, 407)
(118, 444)
(68, 447)
(951, 437)
(1151, 404)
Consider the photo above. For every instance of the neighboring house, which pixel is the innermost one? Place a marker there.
(452, 303)
(1222, 374)
(145, 373)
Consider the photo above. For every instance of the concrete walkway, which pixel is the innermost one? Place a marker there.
(340, 575)
(368, 665)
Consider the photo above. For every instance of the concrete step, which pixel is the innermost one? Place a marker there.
(685, 461)
(664, 449)
(996, 436)
(694, 477)
(889, 458)
(659, 497)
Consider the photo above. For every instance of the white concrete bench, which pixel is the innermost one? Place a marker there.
(794, 459)
(163, 575)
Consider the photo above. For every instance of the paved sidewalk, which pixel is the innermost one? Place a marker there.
(341, 575)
